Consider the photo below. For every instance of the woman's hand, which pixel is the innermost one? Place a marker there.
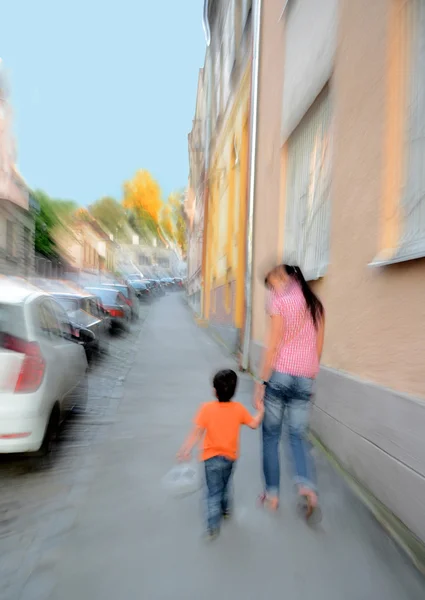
(258, 400)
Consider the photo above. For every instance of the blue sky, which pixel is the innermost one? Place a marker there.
(101, 89)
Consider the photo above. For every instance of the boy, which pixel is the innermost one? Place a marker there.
(218, 423)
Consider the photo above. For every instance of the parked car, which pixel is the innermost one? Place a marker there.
(85, 311)
(178, 283)
(43, 368)
(135, 277)
(142, 290)
(151, 287)
(156, 287)
(115, 304)
(166, 283)
(129, 294)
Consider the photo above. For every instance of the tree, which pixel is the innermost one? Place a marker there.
(65, 209)
(53, 213)
(166, 222)
(45, 221)
(142, 196)
(111, 214)
(176, 204)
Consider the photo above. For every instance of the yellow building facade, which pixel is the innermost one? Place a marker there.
(226, 218)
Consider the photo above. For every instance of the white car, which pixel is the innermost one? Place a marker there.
(43, 369)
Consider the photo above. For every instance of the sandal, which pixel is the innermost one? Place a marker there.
(270, 503)
(309, 507)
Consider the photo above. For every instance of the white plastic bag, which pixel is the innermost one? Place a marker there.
(183, 479)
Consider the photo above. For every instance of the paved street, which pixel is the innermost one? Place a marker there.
(38, 507)
(126, 538)
(131, 540)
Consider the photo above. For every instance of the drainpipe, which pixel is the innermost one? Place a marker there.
(251, 195)
(207, 133)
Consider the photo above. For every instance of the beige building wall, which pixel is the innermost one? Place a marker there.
(375, 317)
(369, 407)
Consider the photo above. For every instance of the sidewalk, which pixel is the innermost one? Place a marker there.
(132, 541)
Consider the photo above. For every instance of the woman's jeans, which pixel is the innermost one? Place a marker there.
(287, 398)
(218, 473)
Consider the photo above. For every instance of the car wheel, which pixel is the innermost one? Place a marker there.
(89, 353)
(41, 458)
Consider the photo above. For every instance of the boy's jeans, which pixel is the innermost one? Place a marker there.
(218, 471)
(287, 397)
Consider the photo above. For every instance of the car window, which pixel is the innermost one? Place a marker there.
(69, 304)
(93, 308)
(47, 322)
(100, 309)
(124, 289)
(65, 328)
(121, 299)
(85, 304)
(107, 297)
(12, 321)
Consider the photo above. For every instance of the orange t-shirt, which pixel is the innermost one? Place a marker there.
(222, 422)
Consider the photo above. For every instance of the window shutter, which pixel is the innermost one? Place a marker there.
(307, 219)
(412, 243)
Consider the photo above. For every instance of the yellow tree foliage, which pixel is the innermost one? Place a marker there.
(142, 195)
(174, 211)
(166, 222)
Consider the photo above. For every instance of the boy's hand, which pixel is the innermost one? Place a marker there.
(184, 455)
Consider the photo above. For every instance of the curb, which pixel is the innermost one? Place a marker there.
(410, 545)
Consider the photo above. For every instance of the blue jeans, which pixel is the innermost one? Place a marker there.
(218, 472)
(287, 397)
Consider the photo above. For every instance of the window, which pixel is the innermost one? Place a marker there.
(228, 51)
(121, 300)
(27, 249)
(144, 260)
(308, 182)
(69, 304)
(100, 309)
(217, 81)
(403, 229)
(246, 14)
(93, 308)
(64, 329)
(47, 320)
(11, 239)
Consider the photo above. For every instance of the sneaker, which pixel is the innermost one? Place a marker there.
(226, 514)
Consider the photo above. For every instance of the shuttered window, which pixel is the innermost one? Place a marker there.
(404, 194)
(308, 182)
(412, 243)
(11, 239)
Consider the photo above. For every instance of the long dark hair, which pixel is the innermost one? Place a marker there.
(313, 303)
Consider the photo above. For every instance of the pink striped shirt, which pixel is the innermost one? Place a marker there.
(297, 352)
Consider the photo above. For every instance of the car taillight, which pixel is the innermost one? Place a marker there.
(33, 365)
(116, 313)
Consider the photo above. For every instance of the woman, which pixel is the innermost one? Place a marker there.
(290, 365)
